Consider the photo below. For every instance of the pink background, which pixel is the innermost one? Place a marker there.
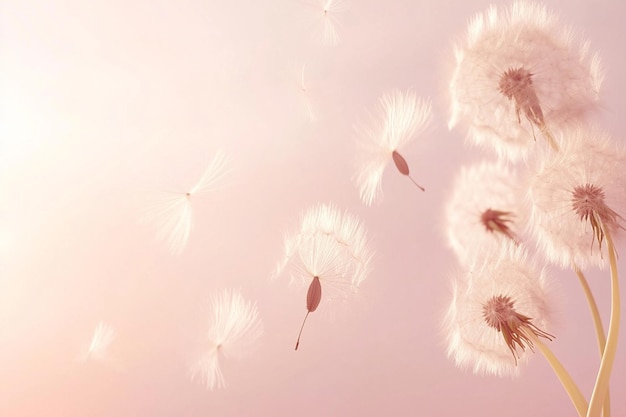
(106, 102)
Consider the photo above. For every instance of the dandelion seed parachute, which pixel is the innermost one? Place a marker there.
(330, 248)
(172, 212)
(401, 117)
(234, 332)
(494, 302)
(103, 336)
(519, 76)
(574, 194)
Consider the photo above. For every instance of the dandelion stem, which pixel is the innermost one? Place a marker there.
(302, 327)
(418, 186)
(597, 321)
(550, 138)
(600, 390)
(566, 380)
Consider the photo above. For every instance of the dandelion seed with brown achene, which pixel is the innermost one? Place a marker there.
(401, 117)
(330, 249)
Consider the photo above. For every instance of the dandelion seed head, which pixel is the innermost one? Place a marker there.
(575, 195)
(588, 203)
(519, 75)
(496, 221)
(485, 209)
(499, 313)
(494, 304)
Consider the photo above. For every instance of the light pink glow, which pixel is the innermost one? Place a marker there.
(105, 102)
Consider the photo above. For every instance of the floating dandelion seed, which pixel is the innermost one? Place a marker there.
(99, 344)
(575, 195)
(484, 210)
(234, 331)
(331, 250)
(518, 73)
(496, 307)
(327, 13)
(401, 118)
(173, 213)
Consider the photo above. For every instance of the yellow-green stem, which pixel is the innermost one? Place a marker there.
(568, 383)
(597, 321)
(608, 357)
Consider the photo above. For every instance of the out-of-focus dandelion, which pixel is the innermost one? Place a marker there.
(518, 74)
(575, 196)
(234, 332)
(499, 312)
(327, 19)
(485, 209)
(401, 117)
(98, 346)
(495, 305)
(330, 249)
(172, 212)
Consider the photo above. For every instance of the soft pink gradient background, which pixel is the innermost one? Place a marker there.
(106, 102)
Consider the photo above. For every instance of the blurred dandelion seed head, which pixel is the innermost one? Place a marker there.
(485, 209)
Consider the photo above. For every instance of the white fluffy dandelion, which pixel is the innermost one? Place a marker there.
(401, 117)
(485, 210)
(330, 250)
(172, 212)
(518, 76)
(576, 196)
(98, 347)
(495, 308)
(234, 331)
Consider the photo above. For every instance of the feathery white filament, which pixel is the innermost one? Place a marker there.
(172, 212)
(400, 118)
(234, 331)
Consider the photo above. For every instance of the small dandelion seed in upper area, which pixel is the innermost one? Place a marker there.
(517, 71)
(173, 214)
(401, 117)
